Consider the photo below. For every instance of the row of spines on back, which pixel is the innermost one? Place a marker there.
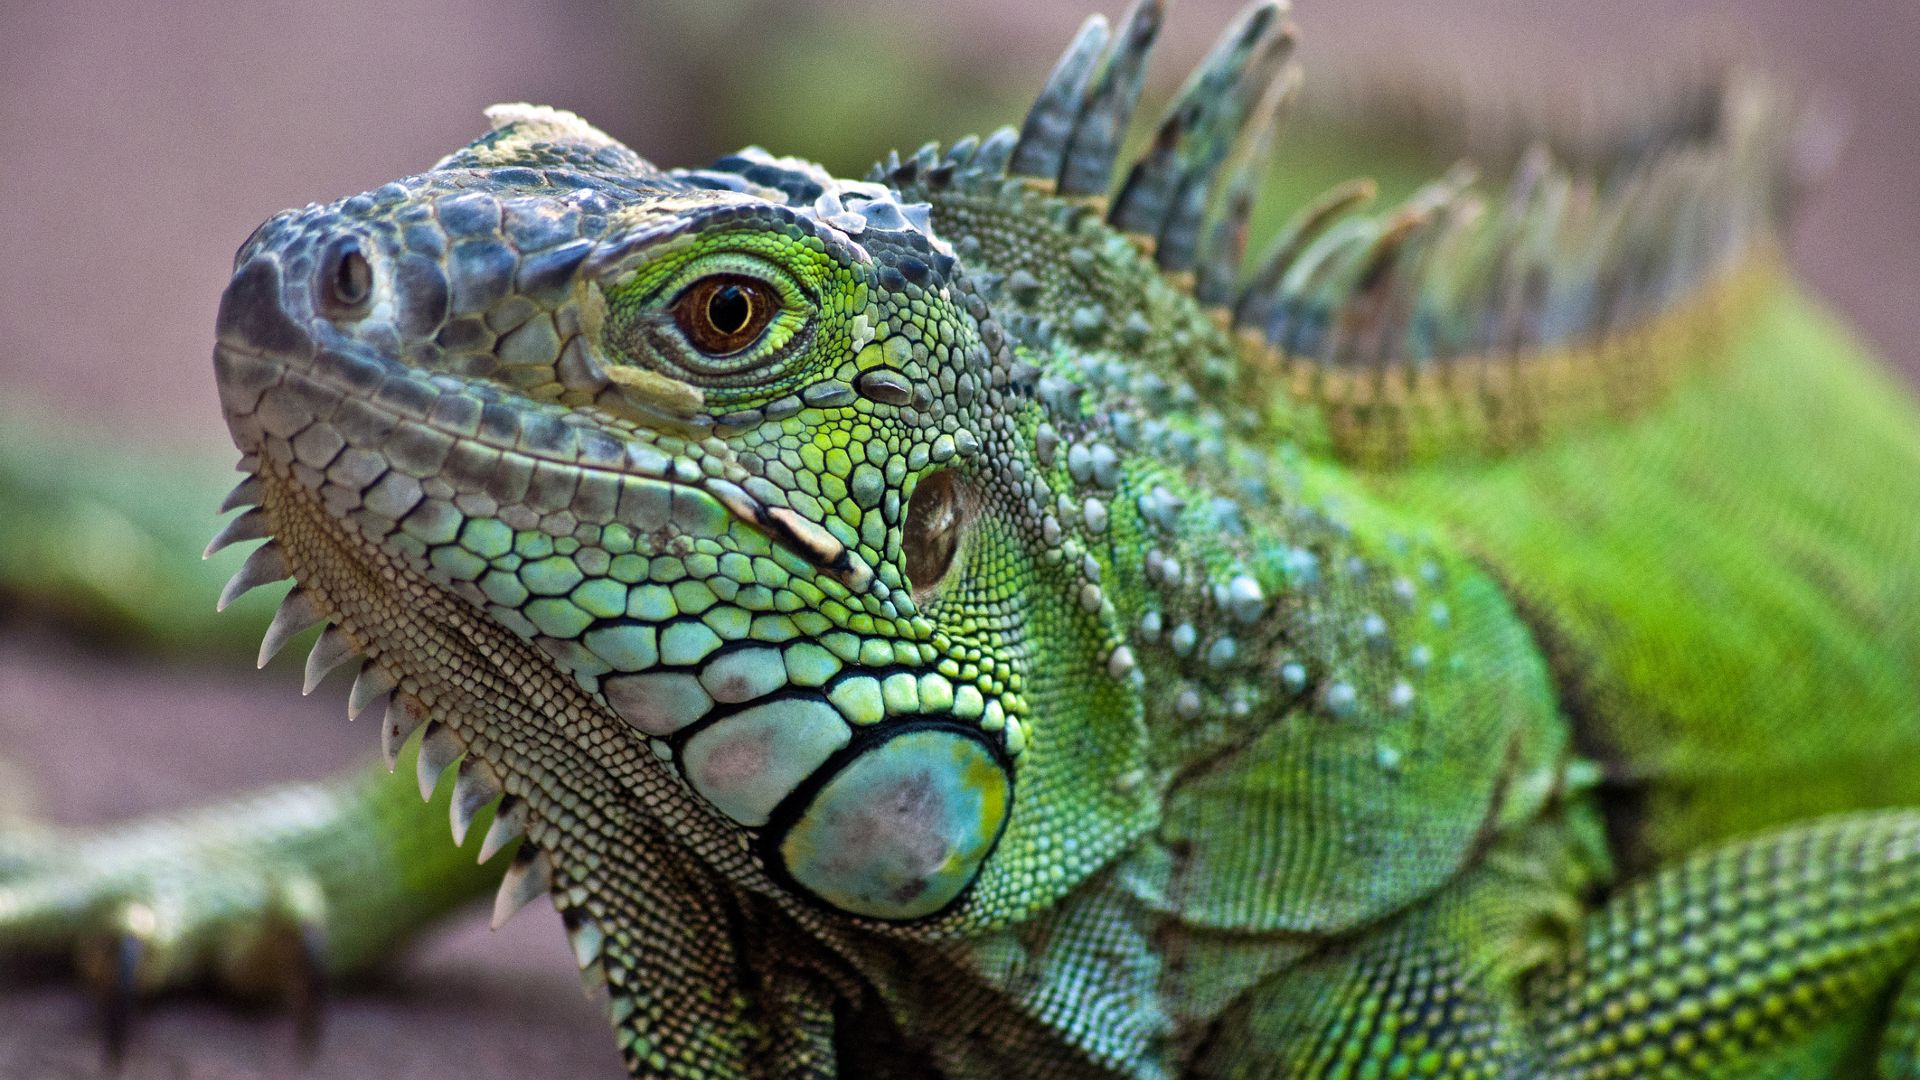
(1610, 269)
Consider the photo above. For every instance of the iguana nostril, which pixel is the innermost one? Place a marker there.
(253, 315)
(346, 279)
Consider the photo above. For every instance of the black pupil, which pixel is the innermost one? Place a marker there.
(729, 309)
(352, 277)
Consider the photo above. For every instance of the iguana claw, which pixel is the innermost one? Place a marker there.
(308, 990)
(113, 965)
(137, 926)
(269, 898)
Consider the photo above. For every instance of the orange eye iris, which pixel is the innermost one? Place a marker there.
(724, 313)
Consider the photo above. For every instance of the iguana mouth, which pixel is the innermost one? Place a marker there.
(429, 427)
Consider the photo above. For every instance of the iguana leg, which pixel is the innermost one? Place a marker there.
(272, 895)
(1768, 957)
(1764, 957)
(1900, 1041)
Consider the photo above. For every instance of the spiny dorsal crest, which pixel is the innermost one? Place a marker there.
(1435, 305)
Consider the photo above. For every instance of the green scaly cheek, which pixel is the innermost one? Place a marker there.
(903, 828)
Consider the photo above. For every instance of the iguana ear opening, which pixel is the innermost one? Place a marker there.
(938, 514)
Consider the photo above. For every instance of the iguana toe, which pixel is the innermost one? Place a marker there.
(134, 924)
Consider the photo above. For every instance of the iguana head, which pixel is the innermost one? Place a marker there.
(735, 448)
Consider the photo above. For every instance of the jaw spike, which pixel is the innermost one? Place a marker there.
(509, 824)
(439, 749)
(251, 525)
(264, 566)
(331, 649)
(246, 493)
(529, 875)
(296, 614)
(593, 980)
(368, 687)
(404, 714)
(584, 935)
(473, 788)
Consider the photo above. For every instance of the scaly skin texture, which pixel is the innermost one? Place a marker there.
(958, 622)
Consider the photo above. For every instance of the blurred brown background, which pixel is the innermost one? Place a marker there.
(139, 143)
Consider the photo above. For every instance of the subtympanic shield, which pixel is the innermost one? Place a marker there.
(901, 829)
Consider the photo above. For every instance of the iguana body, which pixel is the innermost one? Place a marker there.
(957, 622)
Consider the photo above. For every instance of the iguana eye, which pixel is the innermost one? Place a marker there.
(737, 322)
(724, 313)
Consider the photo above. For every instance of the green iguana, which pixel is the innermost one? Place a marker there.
(962, 622)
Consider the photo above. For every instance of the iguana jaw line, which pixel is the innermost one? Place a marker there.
(347, 581)
(295, 495)
(298, 379)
